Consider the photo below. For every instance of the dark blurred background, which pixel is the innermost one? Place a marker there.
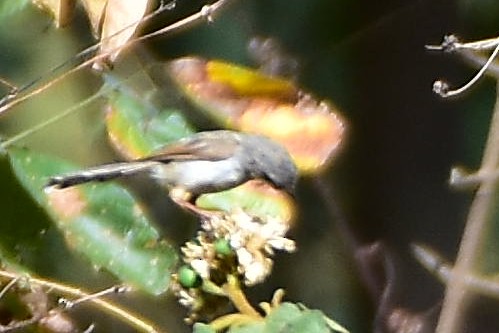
(390, 180)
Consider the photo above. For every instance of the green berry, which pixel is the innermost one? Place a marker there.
(188, 278)
(222, 247)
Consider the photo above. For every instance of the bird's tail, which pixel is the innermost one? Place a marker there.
(100, 173)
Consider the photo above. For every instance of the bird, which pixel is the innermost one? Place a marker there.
(205, 162)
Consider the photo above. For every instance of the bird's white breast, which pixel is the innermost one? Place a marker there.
(200, 176)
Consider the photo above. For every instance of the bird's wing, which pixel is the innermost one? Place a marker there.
(205, 148)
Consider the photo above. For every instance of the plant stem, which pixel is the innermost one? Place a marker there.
(237, 297)
(206, 13)
(50, 121)
(441, 269)
(457, 292)
(109, 307)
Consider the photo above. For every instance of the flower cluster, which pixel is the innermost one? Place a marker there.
(252, 240)
(235, 244)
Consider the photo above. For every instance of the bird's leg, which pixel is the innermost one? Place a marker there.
(184, 198)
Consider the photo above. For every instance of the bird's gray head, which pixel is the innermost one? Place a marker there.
(271, 161)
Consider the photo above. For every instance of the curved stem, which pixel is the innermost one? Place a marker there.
(237, 297)
(444, 92)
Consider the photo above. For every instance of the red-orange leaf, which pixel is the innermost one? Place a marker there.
(246, 100)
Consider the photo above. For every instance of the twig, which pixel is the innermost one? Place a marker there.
(67, 304)
(15, 97)
(17, 325)
(456, 296)
(206, 13)
(460, 179)
(4, 145)
(441, 88)
(109, 307)
(452, 44)
(8, 286)
(13, 89)
(438, 266)
(478, 60)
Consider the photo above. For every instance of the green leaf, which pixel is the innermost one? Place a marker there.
(10, 7)
(257, 201)
(203, 328)
(103, 222)
(137, 128)
(296, 318)
(254, 327)
(291, 318)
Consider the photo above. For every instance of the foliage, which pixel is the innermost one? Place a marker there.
(387, 185)
(110, 227)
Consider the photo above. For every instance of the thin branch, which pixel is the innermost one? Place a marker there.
(67, 304)
(9, 142)
(206, 13)
(442, 269)
(80, 56)
(8, 286)
(12, 87)
(478, 60)
(17, 325)
(456, 296)
(451, 43)
(109, 307)
(461, 179)
(442, 88)
(15, 97)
